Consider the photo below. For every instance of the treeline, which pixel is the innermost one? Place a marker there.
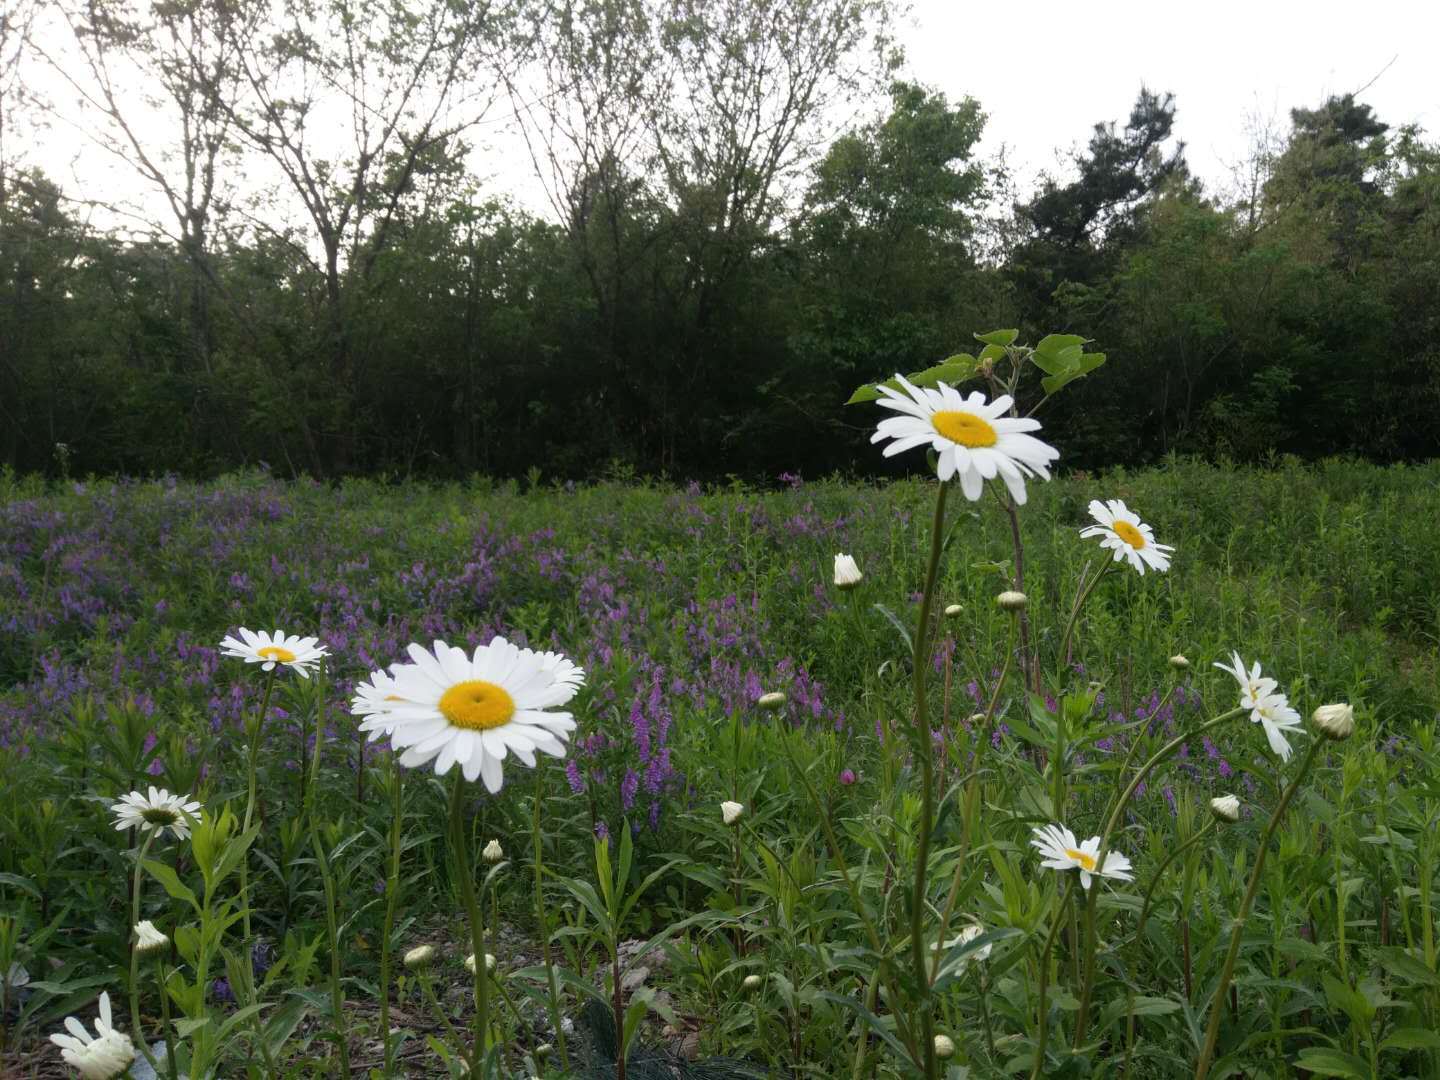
(333, 292)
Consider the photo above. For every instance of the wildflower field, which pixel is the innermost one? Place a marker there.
(754, 842)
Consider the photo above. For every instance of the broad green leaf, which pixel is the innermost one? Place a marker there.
(953, 369)
(171, 882)
(1088, 363)
(1411, 1039)
(1406, 966)
(1051, 344)
(999, 337)
(1323, 1061)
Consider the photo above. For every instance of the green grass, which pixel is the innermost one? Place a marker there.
(684, 604)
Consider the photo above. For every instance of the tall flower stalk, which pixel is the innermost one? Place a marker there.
(1227, 972)
(464, 876)
(925, 751)
(392, 890)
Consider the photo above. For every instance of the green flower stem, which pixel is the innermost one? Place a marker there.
(926, 753)
(429, 993)
(1063, 656)
(250, 806)
(327, 879)
(957, 880)
(838, 853)
(542, 921)
(392, 889)
(1062, 902)
(1087, 984)
(1139, 937)
(460, 853)
(140, 1038)
(171, 1069)
(1217, 1004)
(872, 1001)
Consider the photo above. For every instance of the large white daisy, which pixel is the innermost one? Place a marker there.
(457, 709)
(297, 653)
(1274, 714)
(1063, 852)
(1254, 687)
(1126, 535)
(973, 439)
(103, 1056)
(158, 810)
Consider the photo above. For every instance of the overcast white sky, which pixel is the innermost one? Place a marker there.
(1045, 72)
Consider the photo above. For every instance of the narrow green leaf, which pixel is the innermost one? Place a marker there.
(170, 882)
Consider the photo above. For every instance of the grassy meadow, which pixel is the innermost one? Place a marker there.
(638, 934)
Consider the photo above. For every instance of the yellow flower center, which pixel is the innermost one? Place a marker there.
(275, 652)
(1129, 533)
(964, 428)
(477, 705)
(1086, 861)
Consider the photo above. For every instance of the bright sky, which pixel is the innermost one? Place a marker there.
(1046, 71)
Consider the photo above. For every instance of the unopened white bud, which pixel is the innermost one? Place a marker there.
(1226, 808)
(847, 574)
(731, 812)
(1179, 663)
(493, 852)
(1334, 721)
(1010, 600)
(954, 611)
(944, 1047)
(420, 957)
(771, 701)
(148, 940)
(489, 963)
(751, 984)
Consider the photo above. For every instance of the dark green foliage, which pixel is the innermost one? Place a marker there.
(662, 326)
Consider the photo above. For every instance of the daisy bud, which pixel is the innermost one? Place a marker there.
(772, 701)
(1179, 663)
(420, 958)
(976, 718)
(1012, 601)
(954, 611)
(731, 812)
(148, 940)
(493, 852)
(751, 984)
(944, 1047)
(543, 1051)
(1334, 721)
(1226, 808)
(847, 574)
(489, 963)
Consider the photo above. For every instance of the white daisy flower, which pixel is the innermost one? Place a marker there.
(1063, 852)
(1275, 715)
(1253, 686)
(158, 811)
(973, 439)
(374, 699)
(297, 653)
(102, 1057)
(1126, 535)
(471, 711)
